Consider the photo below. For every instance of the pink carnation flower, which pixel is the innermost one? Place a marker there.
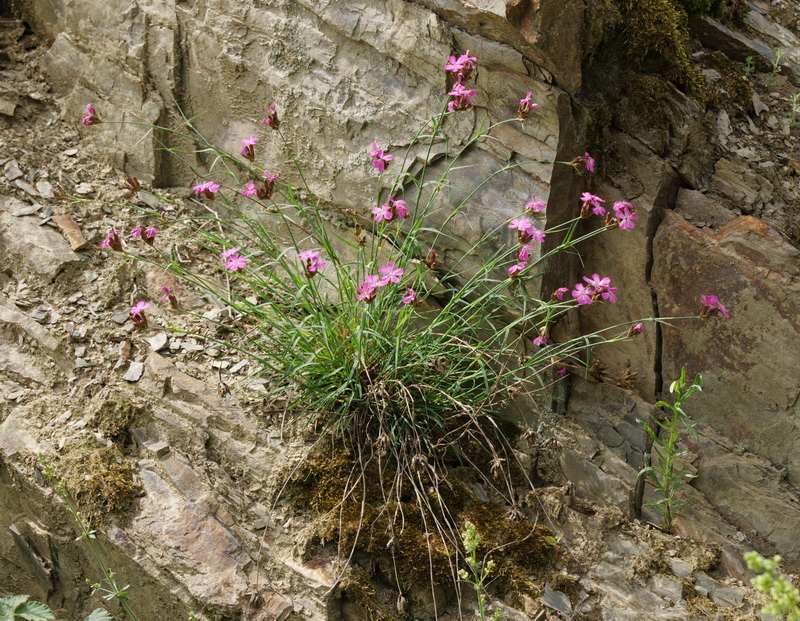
(461, 66)
(312, 261)
(383, 213)
(137, 313)
(266, 191)
(516, 269)
(589, 162)
(535, 205)
(168, 295)
(150, 233)
(526, 231)
(602, 286)
(711, 305)
(390, 274)
(636, 328)
(541, 340)
(235, 263)
(380, 159)
(582, 294)
(526, 105)
(112, 240)
(461, 97)
(248, 147)
(559, 293)
(249, 189)
(206, 189)
(89, 116)
(626, 215)
(592, 202)
(271, 120)
(525, 253)
(410, 297)
(366, 290)
(227, 254)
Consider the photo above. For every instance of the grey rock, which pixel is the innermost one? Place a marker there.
(84, 188)
(12, 170)
(120, 317)
(680, 568)
(18, 208)
(8, 106)
(667, 587)
(557, 601)
(134, 372)
(45, 189)
(26, 187)
(42, 250)
(159, 448)
(728, 596)
(158, 341)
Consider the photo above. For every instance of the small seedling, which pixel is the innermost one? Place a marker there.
(23, 608)
(479, 571)
(749, 66)
(666, 432)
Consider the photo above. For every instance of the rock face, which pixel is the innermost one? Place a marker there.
(713, 218)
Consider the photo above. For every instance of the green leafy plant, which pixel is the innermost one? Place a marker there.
(16, 607)
(783, 597)
(665, 430)
(479, 570)
(749, 66)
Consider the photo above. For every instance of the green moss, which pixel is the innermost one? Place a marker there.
(656, 33)
(733, 91)
(114, 417)
(398, 537)
(101, 481)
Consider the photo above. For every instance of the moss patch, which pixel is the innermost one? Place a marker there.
(114, 416)
(403, 542)
(101, 480)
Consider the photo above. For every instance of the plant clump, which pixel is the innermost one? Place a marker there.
(101, 481)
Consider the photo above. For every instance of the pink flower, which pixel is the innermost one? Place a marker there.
(583, 295)
(227, 254)
(461, 97)
(526, 104)
(271, 120)
(112, 240)
(516, 269)
(384, 213)
(559, 293)
(593, 202)
(366, 290)
(249, 190)
(390, 274)
(461, 66)
(399, 207)
(207, 189)
(525, 253)
(626, 215)
(602, 286)
(248, 147)
(235, 263)
(410, 297)
(711, 304)
(636, 328)
(89, 116)
(150, 233)
(380, 159)
(312, 261)
(137, 313)
(535, 205)
(168, 295)
(526, 231)
(541, 340)
(561, 372)
(588, 162)
(136, 232)
(269, 185)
